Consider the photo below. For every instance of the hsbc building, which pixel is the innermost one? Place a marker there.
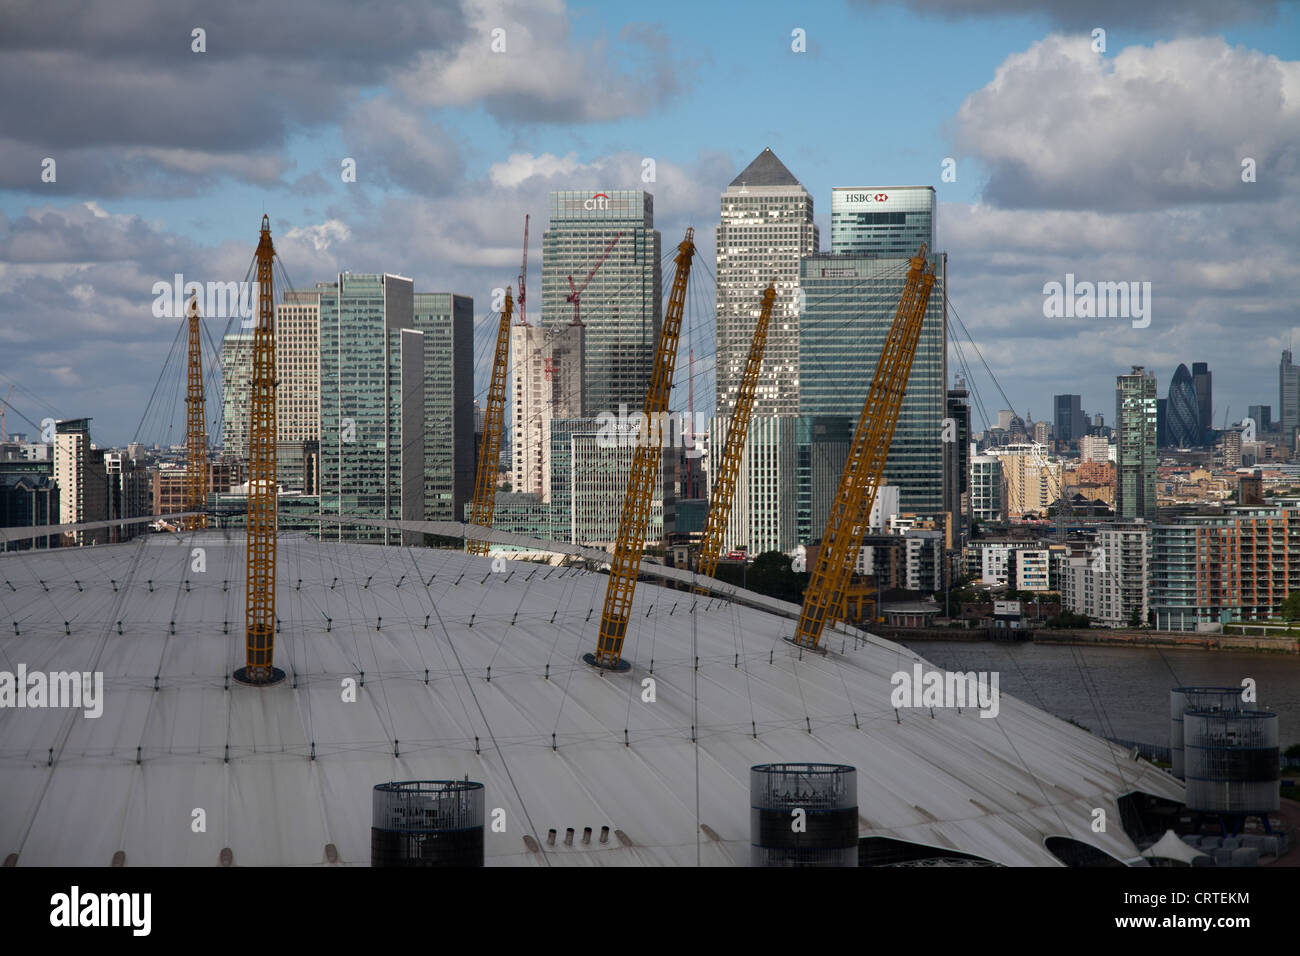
(888, 221)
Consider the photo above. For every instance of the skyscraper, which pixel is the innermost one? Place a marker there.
(851, 302)
(766, 227)
(297, 367)
(1203, 382)
(1135, 423)
(547, 384)
(1182, 415)
(888, 221)
(82, 477)
(447, 323)
(1069, 420)
(236, 388)
(956, 451)
(1262, 416)
(372, 402)
(1288, 399)
(621, 307)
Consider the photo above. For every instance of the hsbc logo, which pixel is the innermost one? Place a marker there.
(866, 197)
(598, 201)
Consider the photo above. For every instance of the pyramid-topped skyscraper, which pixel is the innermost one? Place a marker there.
(766, 226)
(765, 170)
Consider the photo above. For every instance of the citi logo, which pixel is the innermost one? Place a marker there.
(598, 201)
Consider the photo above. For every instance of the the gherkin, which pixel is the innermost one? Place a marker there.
(1182, 415)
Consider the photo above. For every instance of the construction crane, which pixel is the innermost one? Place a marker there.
(635, 519)
(262, 500)
(489, 453)
(575, 292)
(860, 479)
(196, 434)
(724, 485)
(523, 278)
(4, 406)
(689, 485)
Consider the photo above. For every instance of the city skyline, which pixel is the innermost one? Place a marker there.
(446, 170)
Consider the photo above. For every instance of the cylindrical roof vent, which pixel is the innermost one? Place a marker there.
(803, 814)
(1203, 699)
(427, 823)
(1232, 761)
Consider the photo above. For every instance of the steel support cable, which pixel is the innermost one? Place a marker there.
(70, 720)
(1090, 691)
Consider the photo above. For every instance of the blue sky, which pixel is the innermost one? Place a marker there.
(167, 160)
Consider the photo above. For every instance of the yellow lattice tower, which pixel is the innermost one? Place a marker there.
(196, 435)
(724, 485)
(860, 479)
(260, 575)
(635, 519)
(489, 453)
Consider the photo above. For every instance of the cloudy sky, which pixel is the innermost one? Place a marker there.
(1122, 165)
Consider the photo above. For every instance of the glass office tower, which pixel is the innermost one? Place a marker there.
(372, 403)
(882, 220)
(1135, 420)
(621, 307)
(447, 322)
(851, 302)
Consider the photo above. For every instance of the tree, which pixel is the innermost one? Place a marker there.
(1134, 619)
(1291, 607)
(770, 573)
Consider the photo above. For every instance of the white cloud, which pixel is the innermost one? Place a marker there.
(1060, 126)
(321, 235)
(521, 167)
(544, 74)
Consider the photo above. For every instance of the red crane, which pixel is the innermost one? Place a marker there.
(523, 275)
(575, 292)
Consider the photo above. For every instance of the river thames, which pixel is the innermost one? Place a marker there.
(1123, 691)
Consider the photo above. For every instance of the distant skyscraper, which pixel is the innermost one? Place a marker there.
(1288, 399)
(297, 364)
(372, 403)
(986, 491)
(1203, 382)
(447, 323)
(82, 478)
(547, 374)
(236, 386)
(766, 227)
(955, 469)
(1182, 415)
(1262, 415)
(763, 513)
(888, 221)
(851, 302)
(1135, 422)
(1162, 423)
(621, 308)
(1069, 420)
(1031, 480)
